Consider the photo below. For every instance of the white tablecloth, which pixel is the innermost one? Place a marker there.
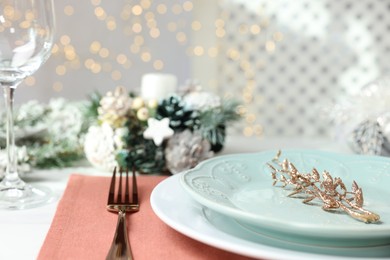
(22, 232)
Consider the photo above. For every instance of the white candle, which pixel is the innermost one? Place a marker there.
(158, 86)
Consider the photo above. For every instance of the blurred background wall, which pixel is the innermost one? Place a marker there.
(283, 59)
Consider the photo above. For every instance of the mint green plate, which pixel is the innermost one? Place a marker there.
(240, 186)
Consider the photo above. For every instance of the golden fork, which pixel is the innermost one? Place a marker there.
(120, 247)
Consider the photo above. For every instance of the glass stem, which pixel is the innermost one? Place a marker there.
(11, 171)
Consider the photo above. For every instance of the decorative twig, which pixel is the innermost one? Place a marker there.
(331, 191)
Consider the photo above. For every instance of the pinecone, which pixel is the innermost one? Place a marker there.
(367, 138)
(115, 107)
(190, 147)
(180, 118)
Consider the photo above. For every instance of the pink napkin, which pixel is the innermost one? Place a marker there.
(83, 229)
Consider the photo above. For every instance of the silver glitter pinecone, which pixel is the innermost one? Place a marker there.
(185, 150)
(368, 138)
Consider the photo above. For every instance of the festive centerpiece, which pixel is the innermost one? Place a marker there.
(171, 132)
(160, 131)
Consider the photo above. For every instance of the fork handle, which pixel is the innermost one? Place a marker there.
(120, 247)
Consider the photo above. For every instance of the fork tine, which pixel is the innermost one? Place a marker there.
(111, 194)
(135, 189)
(127, 194)
(119, 198)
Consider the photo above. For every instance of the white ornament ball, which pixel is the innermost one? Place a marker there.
(99, 147)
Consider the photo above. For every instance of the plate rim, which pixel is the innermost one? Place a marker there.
(220, 239)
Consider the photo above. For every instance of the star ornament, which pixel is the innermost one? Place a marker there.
(158, 130)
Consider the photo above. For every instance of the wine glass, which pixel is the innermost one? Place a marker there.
(26, 39)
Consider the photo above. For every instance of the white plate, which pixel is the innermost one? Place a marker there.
(217, 230)
(240, 186)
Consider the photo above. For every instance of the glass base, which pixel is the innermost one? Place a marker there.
(24, 196)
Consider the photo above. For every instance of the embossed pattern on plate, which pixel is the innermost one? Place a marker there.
(240, 186)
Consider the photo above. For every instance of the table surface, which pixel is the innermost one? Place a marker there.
(23, 231)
